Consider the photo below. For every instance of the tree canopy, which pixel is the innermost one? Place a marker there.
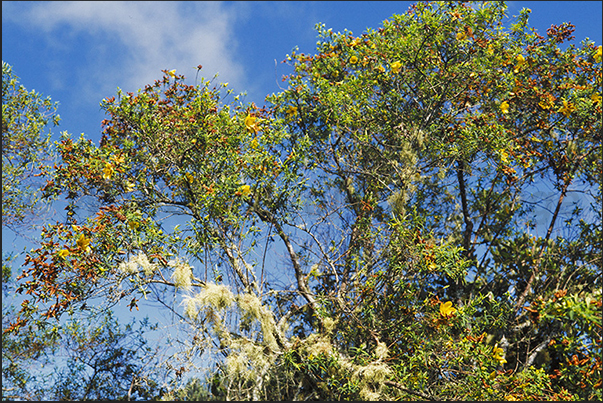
(415, 216)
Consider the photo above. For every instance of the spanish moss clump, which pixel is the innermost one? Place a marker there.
(381, 351)
(183, 274)
(370, 378)
(135, 263)
(251, 305)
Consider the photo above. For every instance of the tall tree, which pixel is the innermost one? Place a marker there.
(373, 233)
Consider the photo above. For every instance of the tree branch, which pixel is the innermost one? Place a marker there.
(302, 284)
(536, 261)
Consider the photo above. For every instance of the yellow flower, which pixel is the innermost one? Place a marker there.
(504, 107)
(567, 108)
(83, 243)
(108, 171)
(446, 309)
(520, 62)
(460, 35)
(490, 49)
(291, 111)
(133, 224)
(596, 98)
(381, 69)
(250, 124)
(396, 67)
(244, 191)
(353, 60)
(597, 54)
(63, 253)
(497, 354)
(172, 73)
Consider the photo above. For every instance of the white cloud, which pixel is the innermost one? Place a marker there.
(130, 42)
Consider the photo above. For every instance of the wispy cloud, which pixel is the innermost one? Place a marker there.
(128, 43)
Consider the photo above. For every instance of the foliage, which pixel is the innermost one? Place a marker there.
(25, 146)
(375, 232)
(105, 362)
(90, 357)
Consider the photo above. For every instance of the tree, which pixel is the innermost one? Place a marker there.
(372, 233)
(89, 357)
(31, 360)
(25, 146)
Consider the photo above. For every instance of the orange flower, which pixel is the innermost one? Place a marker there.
(547, 102)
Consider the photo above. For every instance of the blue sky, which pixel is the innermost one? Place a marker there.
(80, 52)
